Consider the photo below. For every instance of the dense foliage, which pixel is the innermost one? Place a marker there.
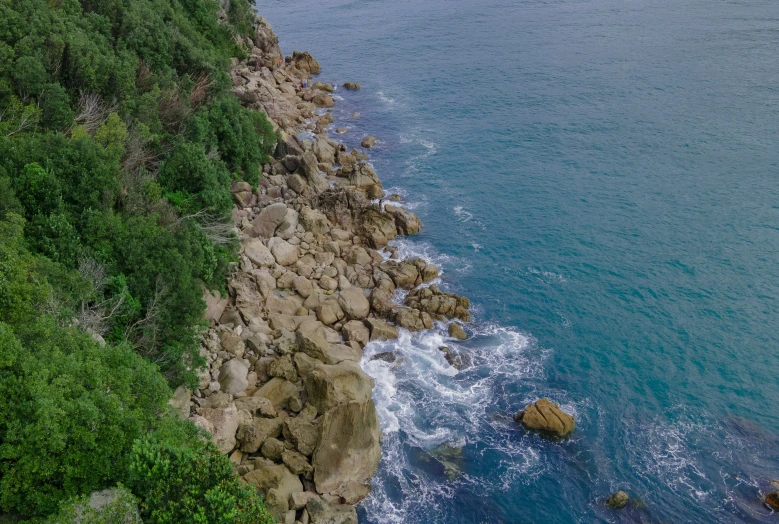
(119, 140)
(181, 478)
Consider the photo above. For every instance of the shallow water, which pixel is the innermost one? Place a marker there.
(599, 177)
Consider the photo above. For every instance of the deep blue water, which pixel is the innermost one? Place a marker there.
(600, 178)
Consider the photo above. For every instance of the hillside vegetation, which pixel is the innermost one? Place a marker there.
(119, 140)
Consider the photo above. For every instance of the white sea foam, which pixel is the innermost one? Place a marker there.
(384, 98)
(424, 403)
(462, 215)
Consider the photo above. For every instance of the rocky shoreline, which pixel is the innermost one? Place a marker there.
(284, 395)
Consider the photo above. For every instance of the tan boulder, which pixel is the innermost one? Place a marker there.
(546, 415)
(256, 251)
(348, 452)
(301, 431)
(408, 223)
(275, 477)
(269, 219)
(356, 331)
(380, 330)
(322, 512)
(278, 391)
(314, 345)
(456, 331)
(330, 385)
(284, 253)
(225, 423)
(329, 312)
(252, 436)
(368, 142)
(233, 376)
(354, 304)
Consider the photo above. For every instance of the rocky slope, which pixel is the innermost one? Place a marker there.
(284, 394)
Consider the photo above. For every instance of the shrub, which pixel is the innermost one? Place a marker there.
(70, 412)
(181, 477)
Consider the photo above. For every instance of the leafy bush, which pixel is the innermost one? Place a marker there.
(70, 412)
(181, 477)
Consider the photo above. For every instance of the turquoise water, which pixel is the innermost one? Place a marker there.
(600, 178)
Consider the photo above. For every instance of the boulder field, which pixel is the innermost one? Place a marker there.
(283, 393)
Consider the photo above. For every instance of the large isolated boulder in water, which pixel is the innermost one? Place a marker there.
(348, 452)
(546, 415)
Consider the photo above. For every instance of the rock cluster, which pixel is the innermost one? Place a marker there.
(283, 394)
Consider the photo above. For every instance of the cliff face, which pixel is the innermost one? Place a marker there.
(284, 394)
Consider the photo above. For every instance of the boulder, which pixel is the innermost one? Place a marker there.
(322, 512)
(224, 422)
(407, 223)
(368, 142)
(301, 431)
(330, 385)
(256, 406)
(297, 463)
(309, 168)
(314, 345)
(377, 227)
(352, 86)
(252, 436)
(348, 452)
(283, 252)
(272, 449)
(387, 356)
(283, 367)
(314, 221)
(354, 331)
(329, 312)
(325, 101)
(380, 330)
(354, 304)
(278, 391)
(232, 376)
(456, 331)
(180, 401)
(305, 62)
(618, 500)
(256, 251)
(546, 415)
(274, 477)
(381, 302)
(269, 219)
(411, 319)
(324, 151)
(404, 274)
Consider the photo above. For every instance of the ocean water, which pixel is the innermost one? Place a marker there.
(600, 178)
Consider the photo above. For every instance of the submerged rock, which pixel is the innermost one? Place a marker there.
(618, 500)
(772, 499)
(546, 415)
